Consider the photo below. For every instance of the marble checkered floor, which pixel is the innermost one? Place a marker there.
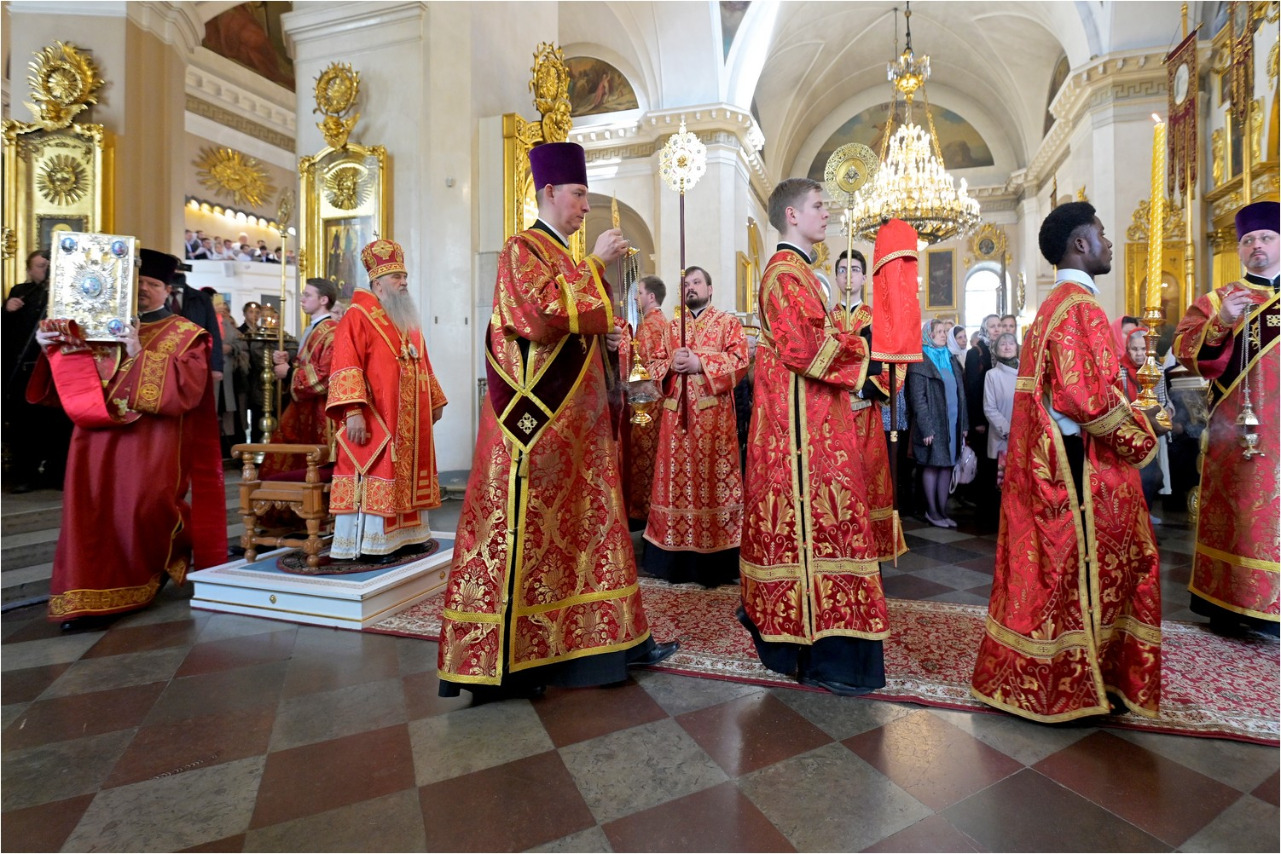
(185, 730)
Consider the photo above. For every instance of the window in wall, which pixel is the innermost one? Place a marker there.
(982, 287)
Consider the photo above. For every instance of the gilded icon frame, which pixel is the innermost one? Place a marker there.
(28, 151)
(940, 280)
(345, 194)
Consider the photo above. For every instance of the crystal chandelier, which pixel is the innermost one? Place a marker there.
(911, 183)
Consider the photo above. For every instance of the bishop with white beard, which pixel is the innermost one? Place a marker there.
(385, 398)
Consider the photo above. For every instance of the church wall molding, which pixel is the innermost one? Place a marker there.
(214, 97)
(317, 21)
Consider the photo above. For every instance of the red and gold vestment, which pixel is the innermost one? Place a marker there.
(1076, 596)
(1238, 543)
(144, 426)
(808, 559)
(697, 502)
(387, 377)
(874, 457)
(304, 420)
(543, 567)
(642, 448)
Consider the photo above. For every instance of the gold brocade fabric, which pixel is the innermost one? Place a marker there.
(697, 500)
(542, 544)
(643, 438)
(387, 375)
(1238, 538)
(808, 558)
(1076, 595)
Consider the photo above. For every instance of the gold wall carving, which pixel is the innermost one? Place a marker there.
(57, 173)
(345, 199)
(550, 85)
(231, 174)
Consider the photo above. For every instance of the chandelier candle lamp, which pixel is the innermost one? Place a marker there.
(911, 183)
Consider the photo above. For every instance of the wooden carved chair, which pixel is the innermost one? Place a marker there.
(307, 497)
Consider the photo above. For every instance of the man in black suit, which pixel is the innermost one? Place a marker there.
(199, 309)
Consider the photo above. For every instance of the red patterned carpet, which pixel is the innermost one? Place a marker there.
(1214, 686)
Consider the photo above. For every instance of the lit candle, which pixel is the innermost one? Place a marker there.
(1156, 215)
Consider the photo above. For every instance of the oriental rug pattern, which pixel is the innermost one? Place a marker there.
(1213, 686)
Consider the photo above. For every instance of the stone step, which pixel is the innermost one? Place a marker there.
(27, 549)
(26, 586)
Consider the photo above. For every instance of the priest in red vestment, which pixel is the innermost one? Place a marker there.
(811, 582)
(304, 420)
(853, 315)
(385, 397)
(642, 448)
(543, 589)
(1229, 337)
(145, 431)
(1075, 613)
(696, 508)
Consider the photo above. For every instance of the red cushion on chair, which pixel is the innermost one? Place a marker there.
(325, 471)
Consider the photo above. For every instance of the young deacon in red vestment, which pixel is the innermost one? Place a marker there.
(1075, 612)
(643, 438)
(811, 584)
(1230, 337)
(304, 420)
(873, 456)
(385, 395)
(542, 590)
(145, 426)
(696, 509)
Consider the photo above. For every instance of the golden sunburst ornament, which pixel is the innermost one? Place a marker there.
(227, 172)
(63, 82)
(347, 186)
(62, 180)
(336, 91)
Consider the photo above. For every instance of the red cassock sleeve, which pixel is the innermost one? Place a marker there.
(1083, 365)
(805, 342)
(543, 300)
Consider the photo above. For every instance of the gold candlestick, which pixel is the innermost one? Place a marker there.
(1150, 374)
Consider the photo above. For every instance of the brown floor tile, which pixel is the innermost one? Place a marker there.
(929, 834)
(908, 586)
(79, 715)
(325, 659)
(717, 819)
(21, 686)
(36, 629)
(932, 761)
(233, 653)
(231, 843)
(986, 563)
(576, 714)
(42, 828)
(509, 807)
(1159, 795)
(125, 639)
(1267, 790)
(1028, 812)
(307, 780)
(979, 545)
(171, 748)
(749, 733)
(422, 698)
(229, 690)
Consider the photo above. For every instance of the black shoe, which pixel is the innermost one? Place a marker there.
(483, 694)
(90, 623)
(413, 549)
(660, 653)
(379, 560)
(841, 689)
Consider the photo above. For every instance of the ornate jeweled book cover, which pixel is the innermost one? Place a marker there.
(93, 281)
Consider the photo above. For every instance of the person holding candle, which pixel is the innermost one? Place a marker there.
(1075, 613)
(1229, 337)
